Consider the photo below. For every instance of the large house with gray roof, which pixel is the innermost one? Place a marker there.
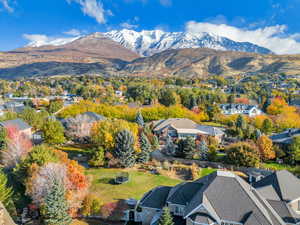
(182, 127)
(223, 198)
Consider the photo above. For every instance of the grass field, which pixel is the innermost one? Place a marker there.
(139, 183)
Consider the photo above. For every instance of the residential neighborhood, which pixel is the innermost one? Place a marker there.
(150, 112)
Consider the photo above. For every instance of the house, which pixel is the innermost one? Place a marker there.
(286, 137)
(249, 110)
(223, 198)
(182, 127)
(14, 106)
(20, 125)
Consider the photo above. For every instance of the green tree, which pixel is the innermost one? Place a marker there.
(168, 97)
(55, 209)
(2, 138)
(144, 155)
(98, 157)
(293, 153)
(203, 150)
(240, 122)
(155, 144)
(53, 132)
(139, 119)
(267, 126)
(186, 148)
(5, 191)
(166, 217)
(243, 154)
(55, 105)
(124, 148)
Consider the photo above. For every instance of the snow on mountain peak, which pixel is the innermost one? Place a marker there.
(149, 42)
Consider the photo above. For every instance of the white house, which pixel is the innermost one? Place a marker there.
(249, 110)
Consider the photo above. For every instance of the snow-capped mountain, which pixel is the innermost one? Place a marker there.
(147, 43)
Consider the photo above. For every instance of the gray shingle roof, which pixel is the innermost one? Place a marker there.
(94, 116)
(184, 123)
(285, 137)
(284, 211)
(155, 198)
(224, 189)
(17, 123)
(183, 193)
(282, 183)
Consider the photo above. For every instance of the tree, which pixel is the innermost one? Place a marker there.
(139, 119)
(53, 132)
(186, 148)
(166, 217)
(2, 138)
(17, 147)
(170, 148)
(98, 157)
(168, 97)
(55, 208)
(240, 122)
(265, 147)
(266, 104)
(5, 191)
(267, 126)
(293, 153)
(155, 144)
(145, 145)
(55, 105)
(203, 150)
(124, 150)
(242, 154)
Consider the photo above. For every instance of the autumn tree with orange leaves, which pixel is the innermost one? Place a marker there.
(265, 147)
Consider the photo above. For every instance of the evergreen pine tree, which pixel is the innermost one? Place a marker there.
(55, 208)
(144, 156)
(240, 122)
(139, 119)
(124, 150)
(155, 144)
(266, 104)
(203, 149)
(166, 217)
(170, 147)
(186, 148)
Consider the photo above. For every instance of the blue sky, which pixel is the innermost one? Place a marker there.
(266, 22)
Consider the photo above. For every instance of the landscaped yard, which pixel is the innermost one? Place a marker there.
(139, 183)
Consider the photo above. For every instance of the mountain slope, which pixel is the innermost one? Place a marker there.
(203, 62)
(194, 62)
(94, 46)
(147, 43)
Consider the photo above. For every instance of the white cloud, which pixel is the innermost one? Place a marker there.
(37, 40)
(6, 5)
(272, 37)
(166, 2)
(94, 9)
(73, 32)
(128, 25)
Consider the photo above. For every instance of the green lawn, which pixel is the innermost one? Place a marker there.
(277, 166)
(206, 171)
(140, 182)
